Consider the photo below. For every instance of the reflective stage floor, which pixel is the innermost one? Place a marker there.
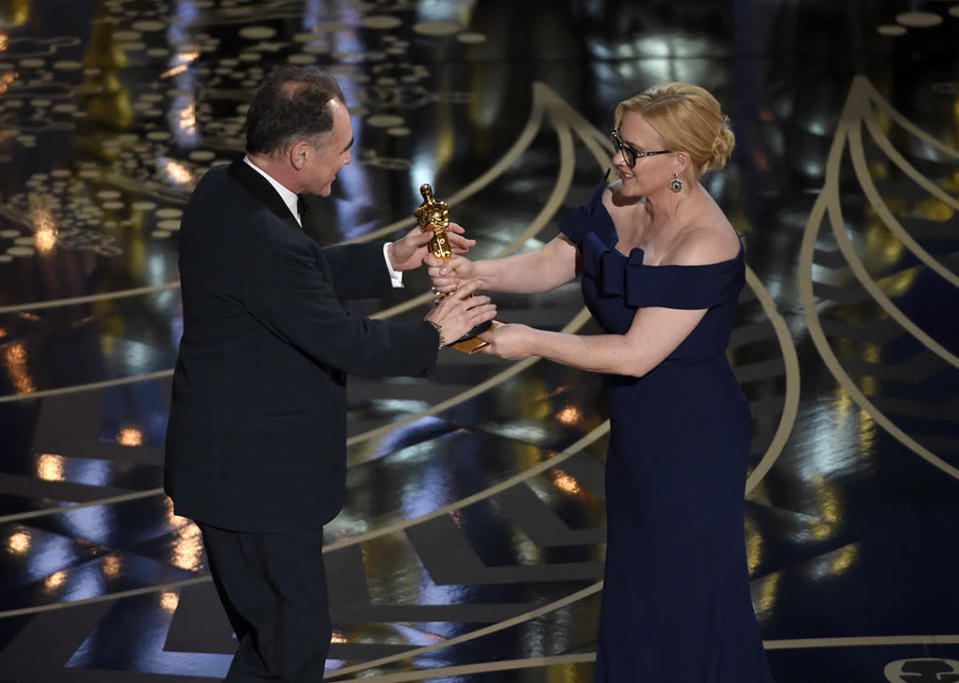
(471, 545)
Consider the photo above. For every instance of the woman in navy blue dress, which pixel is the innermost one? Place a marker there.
(661, 272)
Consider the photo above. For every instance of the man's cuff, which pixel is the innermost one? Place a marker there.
(396, 276)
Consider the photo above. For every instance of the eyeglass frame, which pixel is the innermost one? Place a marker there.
(628, 152)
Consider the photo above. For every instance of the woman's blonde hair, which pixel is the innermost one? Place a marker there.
(688, 118)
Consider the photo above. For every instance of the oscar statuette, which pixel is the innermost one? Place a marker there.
(434, 215)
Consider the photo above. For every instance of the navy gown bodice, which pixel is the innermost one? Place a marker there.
(615, 285)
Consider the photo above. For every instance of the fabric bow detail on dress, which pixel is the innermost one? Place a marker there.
(688, 287)
(623, 276)
(605, 265)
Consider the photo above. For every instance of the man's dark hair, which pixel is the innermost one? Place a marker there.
(291, 103)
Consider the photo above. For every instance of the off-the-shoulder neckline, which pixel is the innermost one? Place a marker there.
(615, 241)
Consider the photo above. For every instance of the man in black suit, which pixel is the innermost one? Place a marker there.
(256, 441)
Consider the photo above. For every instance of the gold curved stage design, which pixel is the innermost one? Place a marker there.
(863, 108)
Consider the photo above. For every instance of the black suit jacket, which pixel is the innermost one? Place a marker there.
(257, 434)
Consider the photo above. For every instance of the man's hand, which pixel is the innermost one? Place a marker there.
(407, 253)
(460, 312)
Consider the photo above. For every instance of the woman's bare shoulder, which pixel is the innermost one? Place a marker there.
(704, 244)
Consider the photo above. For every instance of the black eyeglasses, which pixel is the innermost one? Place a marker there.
(630, 155)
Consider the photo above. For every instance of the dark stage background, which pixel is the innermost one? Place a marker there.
(471, 546)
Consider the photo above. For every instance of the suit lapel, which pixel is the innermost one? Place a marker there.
(260, 188)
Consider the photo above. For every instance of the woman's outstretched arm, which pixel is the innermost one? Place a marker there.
(553, 265)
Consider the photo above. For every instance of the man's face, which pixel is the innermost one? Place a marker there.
(333, 154)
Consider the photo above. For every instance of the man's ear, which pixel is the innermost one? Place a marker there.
(300, 154)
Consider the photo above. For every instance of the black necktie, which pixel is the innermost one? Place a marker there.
(308, 220)
(303, 208)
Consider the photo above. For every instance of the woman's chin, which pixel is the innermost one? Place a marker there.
(629, 186)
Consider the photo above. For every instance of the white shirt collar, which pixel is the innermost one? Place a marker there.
(288, 196)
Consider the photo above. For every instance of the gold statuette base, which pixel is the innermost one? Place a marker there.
(474, 344)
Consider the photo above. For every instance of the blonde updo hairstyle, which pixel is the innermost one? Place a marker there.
(689, 119)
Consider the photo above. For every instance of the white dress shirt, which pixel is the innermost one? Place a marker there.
(290, 198)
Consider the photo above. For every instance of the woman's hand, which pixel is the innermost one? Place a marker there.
(459, 312)
(450, 274)
(512, 341)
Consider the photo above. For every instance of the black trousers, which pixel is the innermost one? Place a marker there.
(273, 588)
